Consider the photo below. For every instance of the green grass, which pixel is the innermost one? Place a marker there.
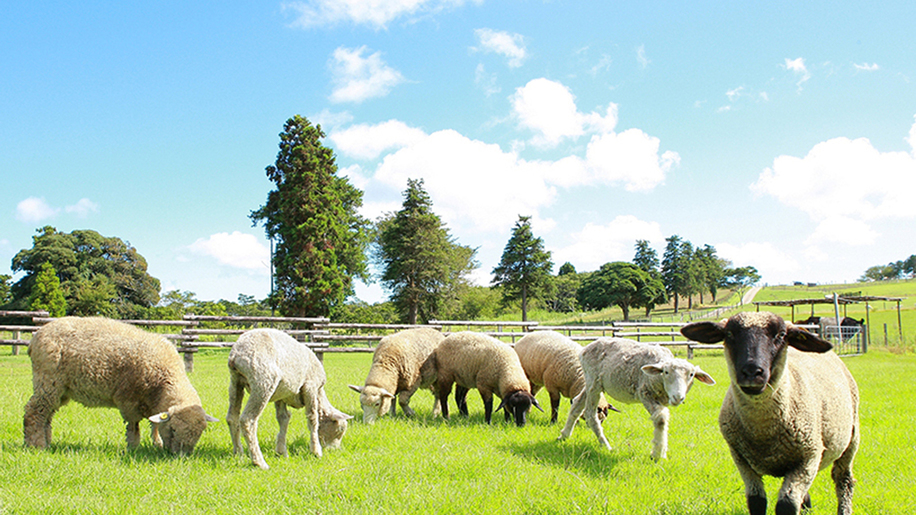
(428, 465)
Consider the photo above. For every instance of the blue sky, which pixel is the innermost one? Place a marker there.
(782, 134)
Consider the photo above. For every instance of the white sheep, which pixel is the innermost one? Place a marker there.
(276, 368)
(631, 372)
(105, 363)
(475, 360)
(551, 360)
(787, 413)
(402, 364)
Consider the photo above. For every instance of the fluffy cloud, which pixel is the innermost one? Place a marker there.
(798, 66)
(34, 209)
(83, 208)
(236, 250)
(865, 67)
(549, 109)
(511, 46)
(766, 258)
(630, 158)
(358, 77)
(376, 13)
(370, 141)
(598, 244)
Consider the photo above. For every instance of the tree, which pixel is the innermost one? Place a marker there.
(421, 264)
(620, 284)
(646, 257)
(46, 293)
(676, 268)
(5, 294)
(312, 216)
(99, 275)
(566, 268)
(710, 270)
(524, 269)
(740, 277)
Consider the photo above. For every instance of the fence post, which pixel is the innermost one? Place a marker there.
(17, 335)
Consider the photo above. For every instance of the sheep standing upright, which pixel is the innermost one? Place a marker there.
(791, 410)
(551, 360)
(402, 364)
(631, 372)
(276, 368)
(475, 360)
(105, 363)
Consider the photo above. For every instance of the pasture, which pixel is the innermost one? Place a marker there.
(428, 465)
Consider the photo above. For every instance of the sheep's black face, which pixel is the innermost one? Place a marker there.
(517, 404)
(754, 342)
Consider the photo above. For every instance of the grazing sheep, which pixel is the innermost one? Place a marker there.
(787, 413)
(475, 360)
(274, 367)
(631, 372)
(551, 360)
(105, 363)
(402, 364)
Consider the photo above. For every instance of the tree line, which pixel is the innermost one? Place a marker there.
(322, 244)
(903, 269)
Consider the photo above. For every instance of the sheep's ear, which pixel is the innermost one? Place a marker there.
(339, 416)
(704, 332)
(652, 370)
(210, 418)
(387, 394)
(534, 402)
(501, 402)
(357, 389)
(703, 377)
(805, 341)
(159, 417)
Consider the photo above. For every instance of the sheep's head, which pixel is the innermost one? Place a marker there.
(331, 428)
(181, 427)
(517, 404)
(755, 346)
(375, 401)
(677, 376)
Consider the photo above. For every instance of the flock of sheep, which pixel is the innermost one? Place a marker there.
(791, 408)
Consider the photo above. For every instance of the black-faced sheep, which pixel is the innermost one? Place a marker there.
(104, 363)
(551, 361)
(791, 409)
(631, 372)
(402, 364)
(475, 360)
(276, 368)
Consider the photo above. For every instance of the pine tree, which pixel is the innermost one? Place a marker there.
(524, 270)
(47, 294)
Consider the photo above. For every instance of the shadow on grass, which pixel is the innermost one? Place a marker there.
(585, 458)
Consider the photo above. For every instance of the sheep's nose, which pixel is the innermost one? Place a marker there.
(753, 372)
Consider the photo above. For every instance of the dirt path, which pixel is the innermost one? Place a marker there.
(749, 296)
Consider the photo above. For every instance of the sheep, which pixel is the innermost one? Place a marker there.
(402, 364)
(105, 363)
(631, 372)
(475, 360)
(551, 360)
(276, 368)
(791, 409)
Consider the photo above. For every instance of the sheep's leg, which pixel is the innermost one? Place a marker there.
(154, 434)
(236, 396)
(133, 434)
(554, 406)
(487, 398)
(842, 476)
(36, 422)
(442, 397)
(437, 406)
(575, 411)
(312, 416)
(590, 413)
(283, 422)
(461, 399)
(257, 401)
(753, 486)
(404, 401)
(660, 416)
(794, 492)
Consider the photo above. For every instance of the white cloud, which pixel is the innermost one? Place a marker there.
(843, 229)
(549, 109)
(34, 210)
(798, 66)
(486, 81)
(911, 137)
(357, 77)
(765, 257)
(83, 208)
(236, 250)
(370, 141)
(511, 46)
(598, 244)
(631, 158)
(376, 13)
(641, 57)
(865, 67)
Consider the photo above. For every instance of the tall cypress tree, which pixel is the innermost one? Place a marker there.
(524, 270)
(422, 266)
(312, 216)
(46, 292)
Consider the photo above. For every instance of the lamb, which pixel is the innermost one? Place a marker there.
(402, 364)
(551, 360)
(792, 409)
(105, 363)
(276, 368)
(631, 372)
(475, 360)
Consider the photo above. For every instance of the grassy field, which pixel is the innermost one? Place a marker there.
(428, 465)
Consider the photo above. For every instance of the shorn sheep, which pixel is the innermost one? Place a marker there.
(790, 411)
(402, 364)
(474, 360)
(632, 372)
(105, 363)
(551, 361)
(276, 368)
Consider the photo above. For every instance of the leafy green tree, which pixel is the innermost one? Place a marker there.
(740, 277)
(46, 292)
(524, 269)
(566, 268)
(710, 270)
(312, 215)
(646, 257)
(5, 295)
(566, 288)
(620, 284)
(98, 274)
(476, 303)
(676, 268)
(422, 266)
